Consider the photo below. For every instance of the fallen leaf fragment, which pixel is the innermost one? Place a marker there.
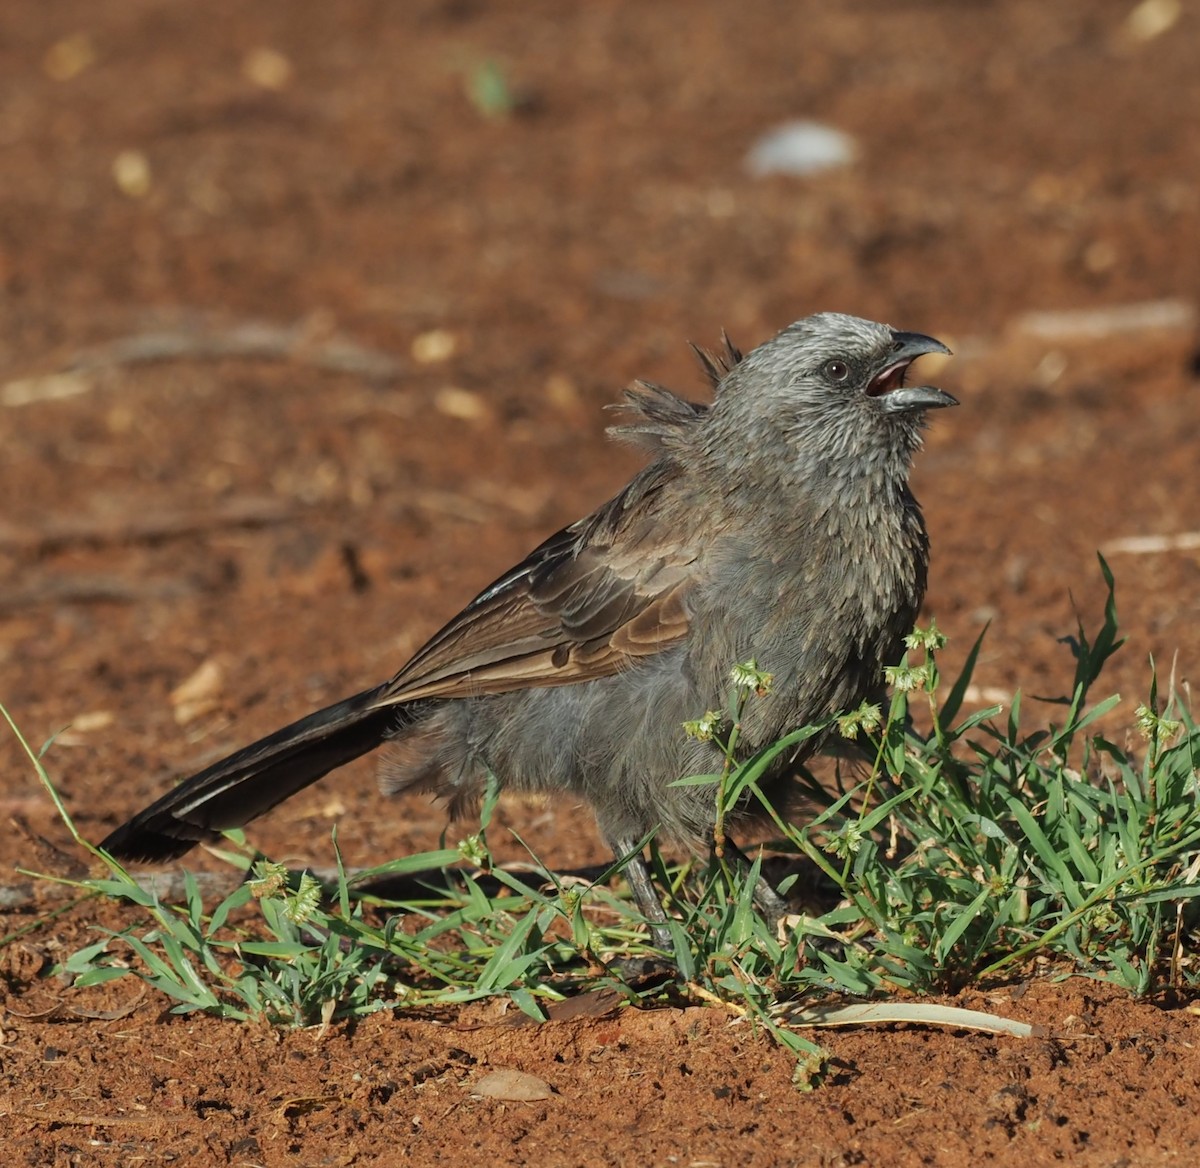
(198, 694)
(512, 1086)
(875, 1013)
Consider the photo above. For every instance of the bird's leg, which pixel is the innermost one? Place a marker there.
(767, 900)
(638, 877)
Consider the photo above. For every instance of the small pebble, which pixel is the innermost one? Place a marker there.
(800, 148)
(562, 392)
(434, 346)
(131, 173)
(69, 57)
(460, 403)
(267, 68)
(1152, 18)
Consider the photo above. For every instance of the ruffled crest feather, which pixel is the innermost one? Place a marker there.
(658, 416)
(717, 366)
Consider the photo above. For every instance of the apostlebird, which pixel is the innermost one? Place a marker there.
(775, 525)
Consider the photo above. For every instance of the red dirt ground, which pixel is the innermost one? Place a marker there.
(302, 504)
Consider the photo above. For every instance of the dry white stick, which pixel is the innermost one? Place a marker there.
(257, 339)
(199, 340)
(1146, 545)
(59, 531)
(1086, 324)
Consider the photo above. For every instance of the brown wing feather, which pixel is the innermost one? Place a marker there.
(583, 605)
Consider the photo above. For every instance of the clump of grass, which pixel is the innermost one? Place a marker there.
(981, 849)
(1051, 843)
(285, 948)
(976, 849)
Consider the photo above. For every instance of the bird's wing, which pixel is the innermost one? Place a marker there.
(588, 602)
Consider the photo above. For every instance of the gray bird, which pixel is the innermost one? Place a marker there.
(774, 526)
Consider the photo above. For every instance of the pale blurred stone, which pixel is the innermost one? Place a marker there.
(1152, 18)
(131, 173)
(434, 346)
(69, 57)
(561, 392)
(267, 68)
(460, 403)
(800, 148)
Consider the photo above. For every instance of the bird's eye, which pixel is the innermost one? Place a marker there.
(837, 370)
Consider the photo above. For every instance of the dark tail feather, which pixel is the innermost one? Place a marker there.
(243, 786)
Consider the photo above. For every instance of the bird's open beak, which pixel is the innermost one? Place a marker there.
(888, 384)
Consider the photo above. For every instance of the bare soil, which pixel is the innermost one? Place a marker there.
(299, 348)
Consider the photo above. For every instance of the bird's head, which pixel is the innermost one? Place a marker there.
(832, 387)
